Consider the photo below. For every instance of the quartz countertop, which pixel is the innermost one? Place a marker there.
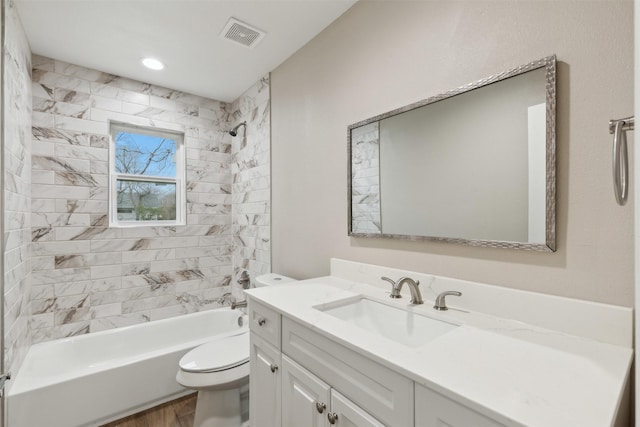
(513, 372)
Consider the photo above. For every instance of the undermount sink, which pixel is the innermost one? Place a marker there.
(394, 323)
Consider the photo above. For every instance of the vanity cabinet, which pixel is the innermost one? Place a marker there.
(345, 344)
(309, 401)
(300, 377)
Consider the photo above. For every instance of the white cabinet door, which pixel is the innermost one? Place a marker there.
(345, 413)
(435, 410)
(265, 384)
(385, 394)
(305, 397)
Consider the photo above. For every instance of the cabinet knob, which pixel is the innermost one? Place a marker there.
(320, 407)
(333, 417)
(274, 368)
(262, 321)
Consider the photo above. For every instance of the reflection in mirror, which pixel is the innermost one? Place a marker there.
(475, 165)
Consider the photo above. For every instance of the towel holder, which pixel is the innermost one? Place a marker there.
(619, 130)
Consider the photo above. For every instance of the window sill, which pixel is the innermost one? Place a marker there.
(142, 224)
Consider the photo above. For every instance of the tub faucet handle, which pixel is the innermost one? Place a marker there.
(244, 280)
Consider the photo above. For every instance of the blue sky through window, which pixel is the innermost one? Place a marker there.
(149, 155)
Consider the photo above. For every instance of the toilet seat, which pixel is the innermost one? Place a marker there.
(219, 355)
(217, 365)
(219, 380)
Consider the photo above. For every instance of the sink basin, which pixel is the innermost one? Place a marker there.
(394, 323)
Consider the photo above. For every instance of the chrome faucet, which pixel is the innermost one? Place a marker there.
(441, 303)
(396, 287)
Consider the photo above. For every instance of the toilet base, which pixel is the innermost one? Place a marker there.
(219, 408)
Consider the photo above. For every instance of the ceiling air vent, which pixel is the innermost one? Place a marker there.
(242, 33)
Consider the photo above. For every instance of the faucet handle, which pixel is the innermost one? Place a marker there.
(440, 299)
(395, 291)
(388, 280)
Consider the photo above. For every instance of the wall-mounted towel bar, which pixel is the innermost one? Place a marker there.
(619, 130)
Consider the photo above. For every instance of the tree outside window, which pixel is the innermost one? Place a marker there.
(146, 171)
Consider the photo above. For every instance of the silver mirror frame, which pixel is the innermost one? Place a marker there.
(549, 64)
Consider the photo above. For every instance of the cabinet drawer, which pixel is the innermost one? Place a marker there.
(383, 393)
(265, 322)
(435, 410)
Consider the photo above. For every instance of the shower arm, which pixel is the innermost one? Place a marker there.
(234, 131)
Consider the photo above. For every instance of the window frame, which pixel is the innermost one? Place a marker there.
(179, 180)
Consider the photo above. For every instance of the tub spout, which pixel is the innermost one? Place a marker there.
(239, 304)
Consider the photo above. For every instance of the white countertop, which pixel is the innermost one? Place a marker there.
(511, 371)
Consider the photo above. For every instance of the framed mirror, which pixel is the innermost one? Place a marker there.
(474, 166)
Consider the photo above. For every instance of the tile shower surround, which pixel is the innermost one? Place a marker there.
(88, 277)
(16, 183)
(251, 194)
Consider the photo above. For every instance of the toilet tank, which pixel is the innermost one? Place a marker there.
(271, 279)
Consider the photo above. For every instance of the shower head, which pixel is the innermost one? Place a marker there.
(234, 131)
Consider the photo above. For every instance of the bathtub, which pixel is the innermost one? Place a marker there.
(100, 377)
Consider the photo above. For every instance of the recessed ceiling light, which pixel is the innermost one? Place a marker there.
(152, 64)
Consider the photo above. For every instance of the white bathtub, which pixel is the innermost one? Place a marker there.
(96, 378)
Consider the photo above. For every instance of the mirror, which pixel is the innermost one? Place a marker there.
(475, 165)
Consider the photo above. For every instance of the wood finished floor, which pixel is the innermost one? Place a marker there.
(177, 413)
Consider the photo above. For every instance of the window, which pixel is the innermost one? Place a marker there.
(147, 176)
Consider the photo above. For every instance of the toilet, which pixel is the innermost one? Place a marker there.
(222, 377)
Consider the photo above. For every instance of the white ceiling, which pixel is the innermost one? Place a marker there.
(114, 35)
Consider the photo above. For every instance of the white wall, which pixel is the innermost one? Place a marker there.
(462, 163)
(536, 137)
(381, 55)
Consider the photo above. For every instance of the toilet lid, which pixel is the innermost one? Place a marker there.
(218, 355)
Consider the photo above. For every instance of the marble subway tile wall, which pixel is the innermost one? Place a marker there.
(251, 169)
(87, 276)
(16, 188)
(365, 179)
